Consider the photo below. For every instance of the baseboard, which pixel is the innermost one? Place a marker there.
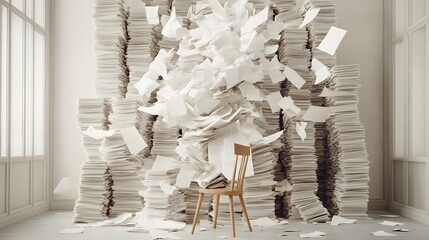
(377, 204)
(23, 214)
(406, 211)
(66, 205)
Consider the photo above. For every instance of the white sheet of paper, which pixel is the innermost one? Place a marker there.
(320, 70)
(152, 15)
(133, 139)
(276, 76)
(309, 16)
(228, 159)
(287, 104)
(185, 177)
(146, 86)
(337, 220)
(271, 49)
(381, 233)
(254, 21)
(217, 8)
(312, 235)
(73, 230)
(167, 188)
(97, 134)
(294, 77)
(176, 106)
(391, 224)
(317, 114)
(326, 92)
(223, 237)
(273, 99)
(163, 163)
(170, 28)
(157, 109)
(332, 40)
(232, 77)
(271, 138)
(265, 222)
(300, 130)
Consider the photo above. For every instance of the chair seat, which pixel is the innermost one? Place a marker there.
(221, 191)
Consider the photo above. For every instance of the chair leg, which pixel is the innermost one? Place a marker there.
(197, 211)
(216, 210)
(245, 212)
(231, 209)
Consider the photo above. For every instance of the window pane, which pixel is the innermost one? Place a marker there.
(39, 93)
(18, 4)
(399, 16)
(418, 93)
(418, 10)
(16, 87)
(39, 12)
(3, 85)
(29, 8)
(399, 100)
(29, 90)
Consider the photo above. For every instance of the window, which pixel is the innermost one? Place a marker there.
(23, 72)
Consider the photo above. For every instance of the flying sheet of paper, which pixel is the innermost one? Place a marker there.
(294, 77)
(287, 104)
(157, 109)
(217, 8)
(276, 76)
(326, 92)
(273, 99)
(176, 106)
(392, 224)
(167, 188)
(133, 139)
(146, 86)
(152, 15)
(300, 130)
(254, 21)
(317, 114)
(232, 77)
(73, 230)
(312, 235)
(309, 16)
(97, 134)
(337, 220)
(382, 233)
(320, 70)
(170, 28)
(185, 177)
(163, 163)
(271, 138)
(265, 222)
(332, 40)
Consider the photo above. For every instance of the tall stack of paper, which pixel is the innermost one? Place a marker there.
(347, 143)
(111, 38)
(95, 187)
(191, 199)
(258, 192)
(126, 179)
(294, 54)
(124, 167)
(164, 139)
(139, 45)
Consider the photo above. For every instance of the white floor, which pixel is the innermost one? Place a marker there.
(47, 226)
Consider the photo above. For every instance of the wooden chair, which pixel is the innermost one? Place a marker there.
(236, 189)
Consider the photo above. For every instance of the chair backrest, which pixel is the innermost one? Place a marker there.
(244, 153)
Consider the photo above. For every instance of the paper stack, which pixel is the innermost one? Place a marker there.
(164, 139)
(111, 36)
(294, 54)
(347, 143)
(95, 187)
(125, 174)
(139, 44)
(162, 199)
(191, 199)
(124, 167)
(258, 194)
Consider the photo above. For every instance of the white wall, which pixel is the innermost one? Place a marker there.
(74, 74)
